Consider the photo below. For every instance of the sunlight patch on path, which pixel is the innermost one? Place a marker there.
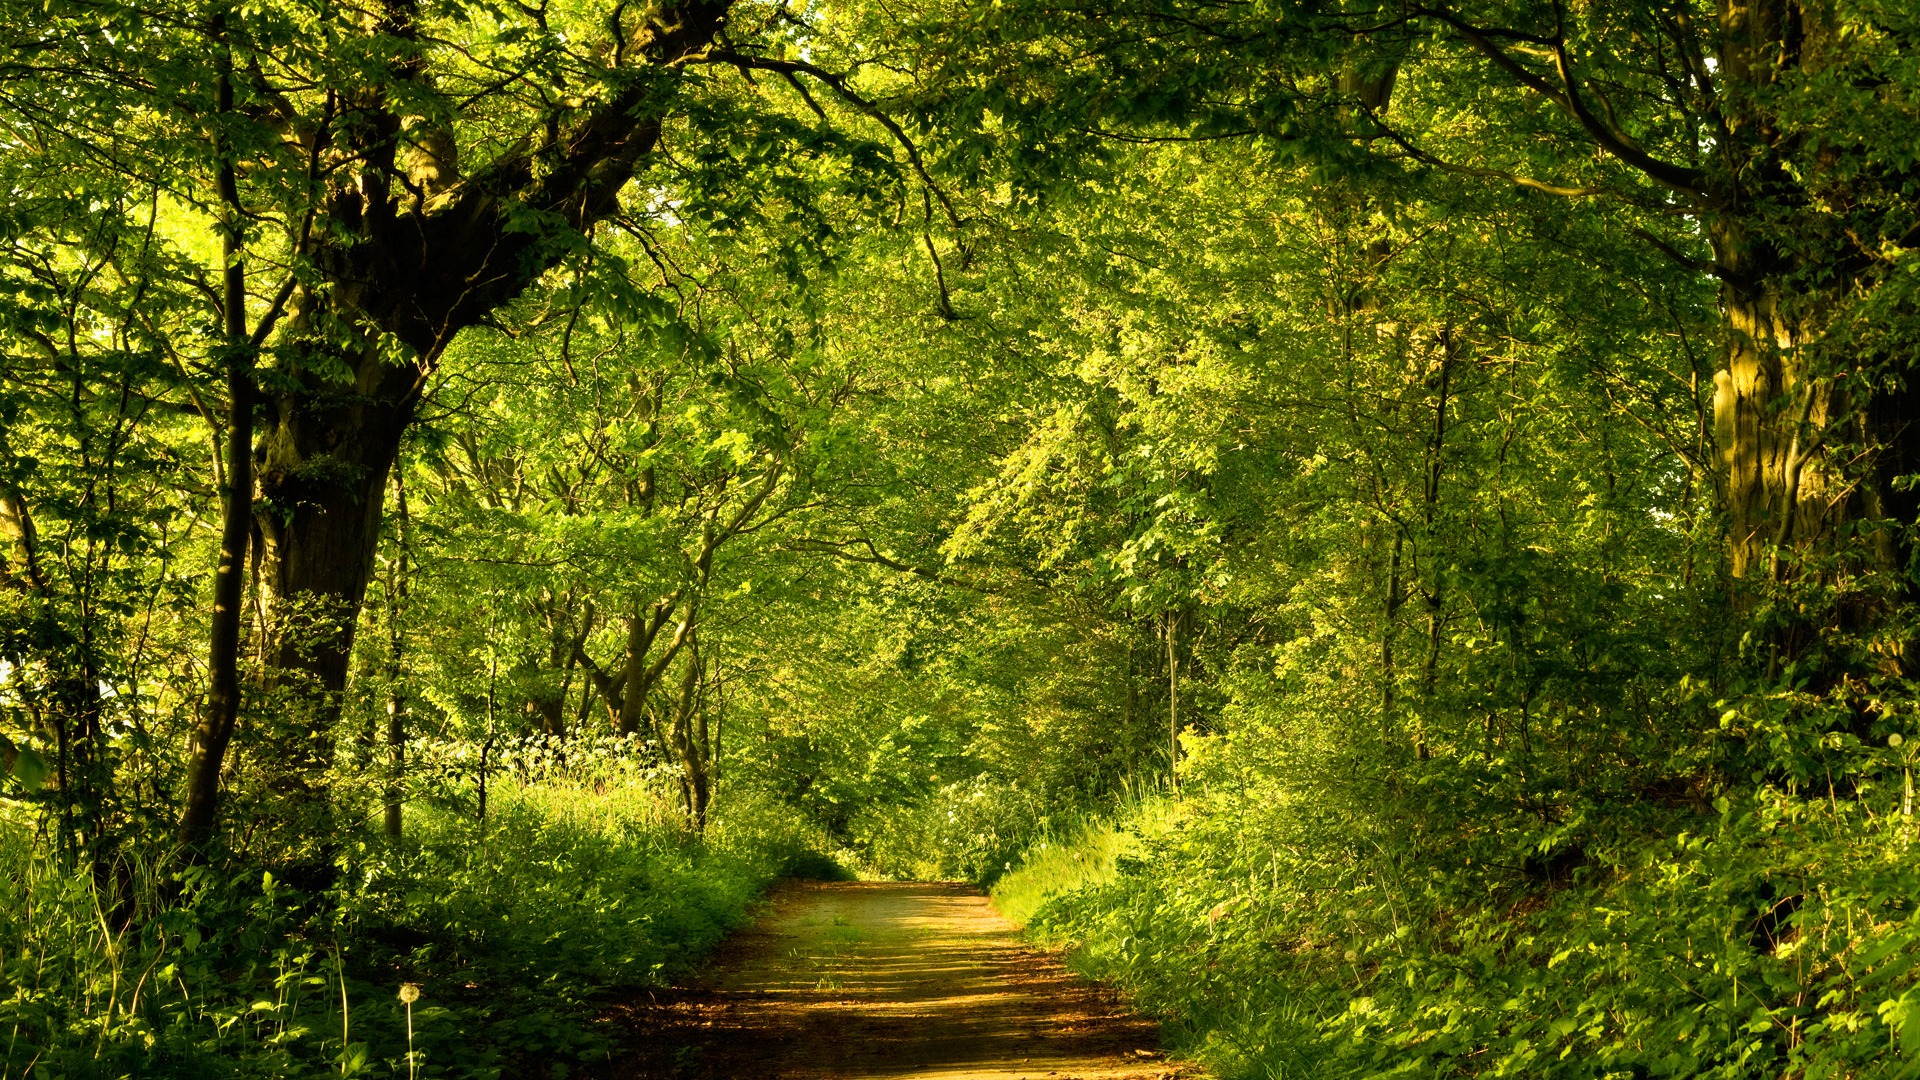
(876, 981)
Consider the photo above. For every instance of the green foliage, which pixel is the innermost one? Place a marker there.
(1084, 855)
(1459, 460)
(969, 831)
(1776, 938)
(579, 882)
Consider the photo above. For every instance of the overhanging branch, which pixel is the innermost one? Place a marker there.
(838, 84)
(1569, 98)
(849, 551)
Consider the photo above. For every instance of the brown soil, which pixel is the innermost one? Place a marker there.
(851, 981)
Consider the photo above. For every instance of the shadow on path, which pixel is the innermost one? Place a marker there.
(862, 980)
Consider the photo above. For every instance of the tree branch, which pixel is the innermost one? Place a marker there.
(1567, 96)
(839, 549)
(838, 84)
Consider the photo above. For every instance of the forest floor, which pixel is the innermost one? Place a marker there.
(859, 980)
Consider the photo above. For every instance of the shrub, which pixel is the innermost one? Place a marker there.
(582, 881)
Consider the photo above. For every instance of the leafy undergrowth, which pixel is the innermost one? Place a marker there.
(970, 830)
(1086, 855)
(1766, 936)
(510, 930)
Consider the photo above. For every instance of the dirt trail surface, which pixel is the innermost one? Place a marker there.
(850, 981)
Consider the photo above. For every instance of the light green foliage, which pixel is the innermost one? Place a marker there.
(1084, 855)
(1422, 484)
(1390, 529)
(1657, 958)
(968, 831)
(582, 879)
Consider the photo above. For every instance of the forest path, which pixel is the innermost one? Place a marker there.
(859, 980)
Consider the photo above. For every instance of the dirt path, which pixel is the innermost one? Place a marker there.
(869, 980)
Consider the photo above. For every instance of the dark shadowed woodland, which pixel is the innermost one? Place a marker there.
(1385, 527)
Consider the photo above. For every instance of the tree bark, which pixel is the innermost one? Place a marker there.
(207, 750)
(325, 462)
(642, 669)
(1770, 414)
(396, 666)
(548, 703)
(689, 745)
(1807, 455)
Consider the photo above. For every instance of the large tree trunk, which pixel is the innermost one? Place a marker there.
(1809, 458)
(410, 252)
(1809, 469)
(324, 461)
(1771, 414)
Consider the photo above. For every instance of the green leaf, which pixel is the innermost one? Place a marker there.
(30, 769)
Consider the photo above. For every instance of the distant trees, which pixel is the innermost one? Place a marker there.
(599, 473)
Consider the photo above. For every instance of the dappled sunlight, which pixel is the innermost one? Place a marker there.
(872, 980)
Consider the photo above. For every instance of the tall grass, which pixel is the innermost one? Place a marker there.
(577, 885)
(85, 992)
(1085, 852)
(1779, 938)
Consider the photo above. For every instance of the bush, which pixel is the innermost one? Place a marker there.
(580, 883)
(1084, 855)
(1777, 937)
(969, 831)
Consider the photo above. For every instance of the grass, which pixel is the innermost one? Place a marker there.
(1272, 951)
(1088, 854)
(514, 930)
(1082, 855)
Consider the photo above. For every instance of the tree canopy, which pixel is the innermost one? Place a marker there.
(1416, 500)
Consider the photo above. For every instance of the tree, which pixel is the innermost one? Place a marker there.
(1760, 145)
(620, 460)
(382, 181)
(97, 439)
